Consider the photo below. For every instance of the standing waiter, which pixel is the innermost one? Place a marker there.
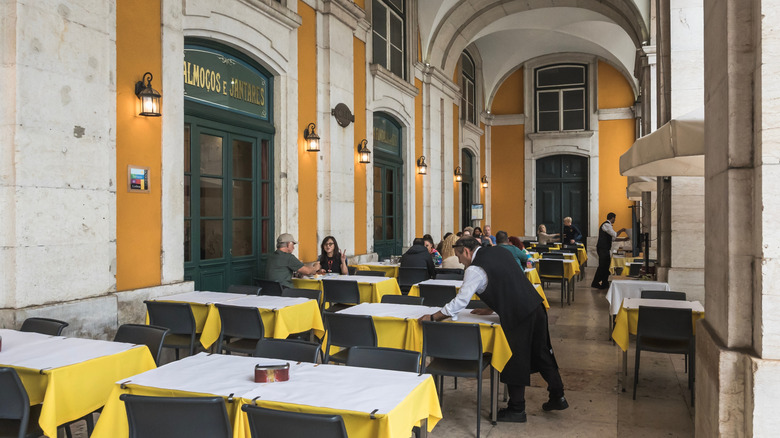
(604, 249)
(493, 273)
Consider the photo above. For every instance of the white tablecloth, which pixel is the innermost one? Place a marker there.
(203, 297)
(634, 303)
(266, 301)
(622, 289)
(402, 311)
(456, 283)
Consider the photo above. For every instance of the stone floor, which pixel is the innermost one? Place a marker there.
(589, 365)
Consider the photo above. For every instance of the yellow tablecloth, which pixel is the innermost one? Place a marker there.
(389, 270)
(533, 276)
(415, 292)
(369, 292)
(71, 392)
(626, 322)
(582, 255)
(619, 262)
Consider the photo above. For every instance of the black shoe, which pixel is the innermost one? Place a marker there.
(555, 404)
(511, 416)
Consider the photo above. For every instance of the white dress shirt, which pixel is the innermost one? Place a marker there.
(607, 227)
(474, 281)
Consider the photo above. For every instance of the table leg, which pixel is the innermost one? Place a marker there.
(423, 428)
(494, 398)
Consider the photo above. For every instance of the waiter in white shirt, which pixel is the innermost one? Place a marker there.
(604, 249)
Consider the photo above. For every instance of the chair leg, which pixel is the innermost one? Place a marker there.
(479, 401)
(636, 370)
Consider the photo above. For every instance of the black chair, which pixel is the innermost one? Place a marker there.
(663, 295)
(437, 295)
(408, 277)
(178, 318)
(370, 273)
(176, 417)
(244, 289)
(527, 244)
(449, 276)
(541, 249)
(440, 271)
(351, 270)
(149, 335)
(384, 359)
(402, 299)
(242, 327)
(270, 423)
(666, 330)
(45, 326)
(553, 255)
(455, 349)
(15, 407)
(268, 287)
(572, 248)
(340, 294)
(288, 349)
(347, 331)
(312, 294)
(552, 270)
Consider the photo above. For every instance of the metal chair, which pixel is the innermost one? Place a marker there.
(244, 289)
(402, 299)
(45, 326)
(149, 335)
(384, 358)
(312, 294)
(340, 294)
(288, 349)
(553, 255)
(270, 423)
(351, 270)
(408, 277)
(437, 295)
(14, 407)
(242, 327)
(455, 349)
(665, 330)
(176, 417)
(347, 331)
(552, 270)
(268, 287)
(178, 318)
(541, 249)
(370, 273)
(663, 295)
(449, 276)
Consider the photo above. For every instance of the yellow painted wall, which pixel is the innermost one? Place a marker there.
(361, 207)
(418, 150)
(478, 178)
(509, 98)
(613, 88)
(361, 3)
(138, 142)
(456, 160)
(308, 249)
(508, 182)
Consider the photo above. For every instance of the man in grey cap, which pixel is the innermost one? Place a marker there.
(282, 263)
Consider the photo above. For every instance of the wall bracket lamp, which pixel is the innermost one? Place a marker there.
(363, 152)
(150, 98)
(458, 174)
(484, 182)
(422, 168)
(311, 137)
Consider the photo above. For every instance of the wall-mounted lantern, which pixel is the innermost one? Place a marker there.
(458, 174)
(484, 182)
(422, 168)
(311, 137)
(150, 98)
(363, 152)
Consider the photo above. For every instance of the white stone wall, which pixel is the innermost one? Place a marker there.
(687, 271)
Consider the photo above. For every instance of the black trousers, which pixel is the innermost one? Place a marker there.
(541, 360)
(601, 278)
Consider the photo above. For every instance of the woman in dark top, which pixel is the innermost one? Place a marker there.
(331, 258)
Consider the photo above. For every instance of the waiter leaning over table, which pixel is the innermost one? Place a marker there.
(501, 284)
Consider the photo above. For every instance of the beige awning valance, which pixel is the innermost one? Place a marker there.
(674, 149)
(638, 184)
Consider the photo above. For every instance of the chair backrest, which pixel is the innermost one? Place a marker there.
(14, 403)
(176, 417)
(663, 295)
(349, 330)
(268, 287)
(270, 423)
(240, 322)
(527, 244)
(541, 248)
(312, 294)
(634, 269)
(149, 335)
(244, 289)
(550, 267)
(448, 340)
(402, 299)
(176, 317)
(553, 255)
(411, 276)
(288, 349)
(351, 270)
(384, 358)
(449, 276)
(46, 326)
(371, 273)
(664, 323)
(437, 295)
(340, 291)
(569, 248)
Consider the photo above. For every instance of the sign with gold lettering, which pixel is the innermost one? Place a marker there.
(221, 80)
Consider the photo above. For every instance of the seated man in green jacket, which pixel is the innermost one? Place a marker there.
(521, 257)
(282, 264)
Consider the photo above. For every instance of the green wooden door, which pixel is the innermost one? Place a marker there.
(561, 191)
(387, 208)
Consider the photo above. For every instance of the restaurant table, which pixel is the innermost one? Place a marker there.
(281, 315)
(619, 264)
(622, 289)
(373, 403)
(415, 290)
(70, 376)
(372, 289)
(390, 269)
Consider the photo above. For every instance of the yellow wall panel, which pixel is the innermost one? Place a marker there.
(418, 151)
(508, 182)
(138, 142)
(509, 98)
(308, 249)
(359, 72)
(615, 137)
(613, 88)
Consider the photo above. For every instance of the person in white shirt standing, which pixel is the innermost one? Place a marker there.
(604, 249)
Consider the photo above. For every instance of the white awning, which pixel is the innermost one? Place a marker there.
(674, 149)
(638, 184)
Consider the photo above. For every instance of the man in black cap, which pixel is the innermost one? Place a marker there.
(493, 273)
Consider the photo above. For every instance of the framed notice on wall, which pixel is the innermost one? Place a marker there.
(137, 179)
(476, 212)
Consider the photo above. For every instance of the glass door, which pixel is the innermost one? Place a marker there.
(387, 208)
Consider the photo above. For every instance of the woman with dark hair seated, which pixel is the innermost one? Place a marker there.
(332, 259)
(435, 256)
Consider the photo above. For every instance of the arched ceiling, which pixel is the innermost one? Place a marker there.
(508, 33)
